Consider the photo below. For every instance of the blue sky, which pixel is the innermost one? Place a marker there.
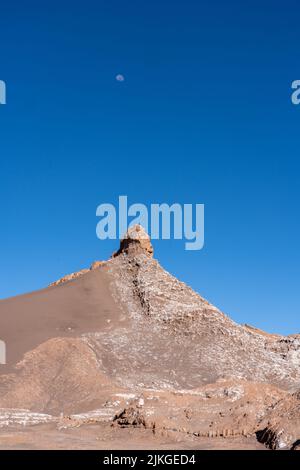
(204, 116)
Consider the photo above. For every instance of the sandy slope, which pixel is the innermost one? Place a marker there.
(67, 310)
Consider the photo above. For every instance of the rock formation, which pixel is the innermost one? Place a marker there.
(124, 343)
(135, 241)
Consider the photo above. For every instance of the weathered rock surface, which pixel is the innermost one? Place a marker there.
(69, 277)
(135, 241)
(280, 428)
(125, 342)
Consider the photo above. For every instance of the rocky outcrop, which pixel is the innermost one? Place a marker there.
(131, 416)
(97, 264)
(75, 275)
(69, 277)
(208, 343)
(135, 241)
(280, 427)
(62, 375)
(225, 409)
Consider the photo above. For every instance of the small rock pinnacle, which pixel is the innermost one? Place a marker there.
(135, 241)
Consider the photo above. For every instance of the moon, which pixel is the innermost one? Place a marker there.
(120, 77)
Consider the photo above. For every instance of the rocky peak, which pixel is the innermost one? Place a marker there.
(135, 241)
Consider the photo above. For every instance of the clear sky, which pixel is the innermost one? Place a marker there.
(204, 116)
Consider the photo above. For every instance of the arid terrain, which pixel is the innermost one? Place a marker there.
(124, 355)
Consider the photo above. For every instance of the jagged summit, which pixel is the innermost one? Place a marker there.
(135, 241)
(211, 344)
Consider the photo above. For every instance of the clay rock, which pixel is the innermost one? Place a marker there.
(68, 277)
(130, 417)
(135, 241)
(282, 424)
(96, 265)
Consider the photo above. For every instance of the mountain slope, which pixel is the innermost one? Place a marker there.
(127, 328)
